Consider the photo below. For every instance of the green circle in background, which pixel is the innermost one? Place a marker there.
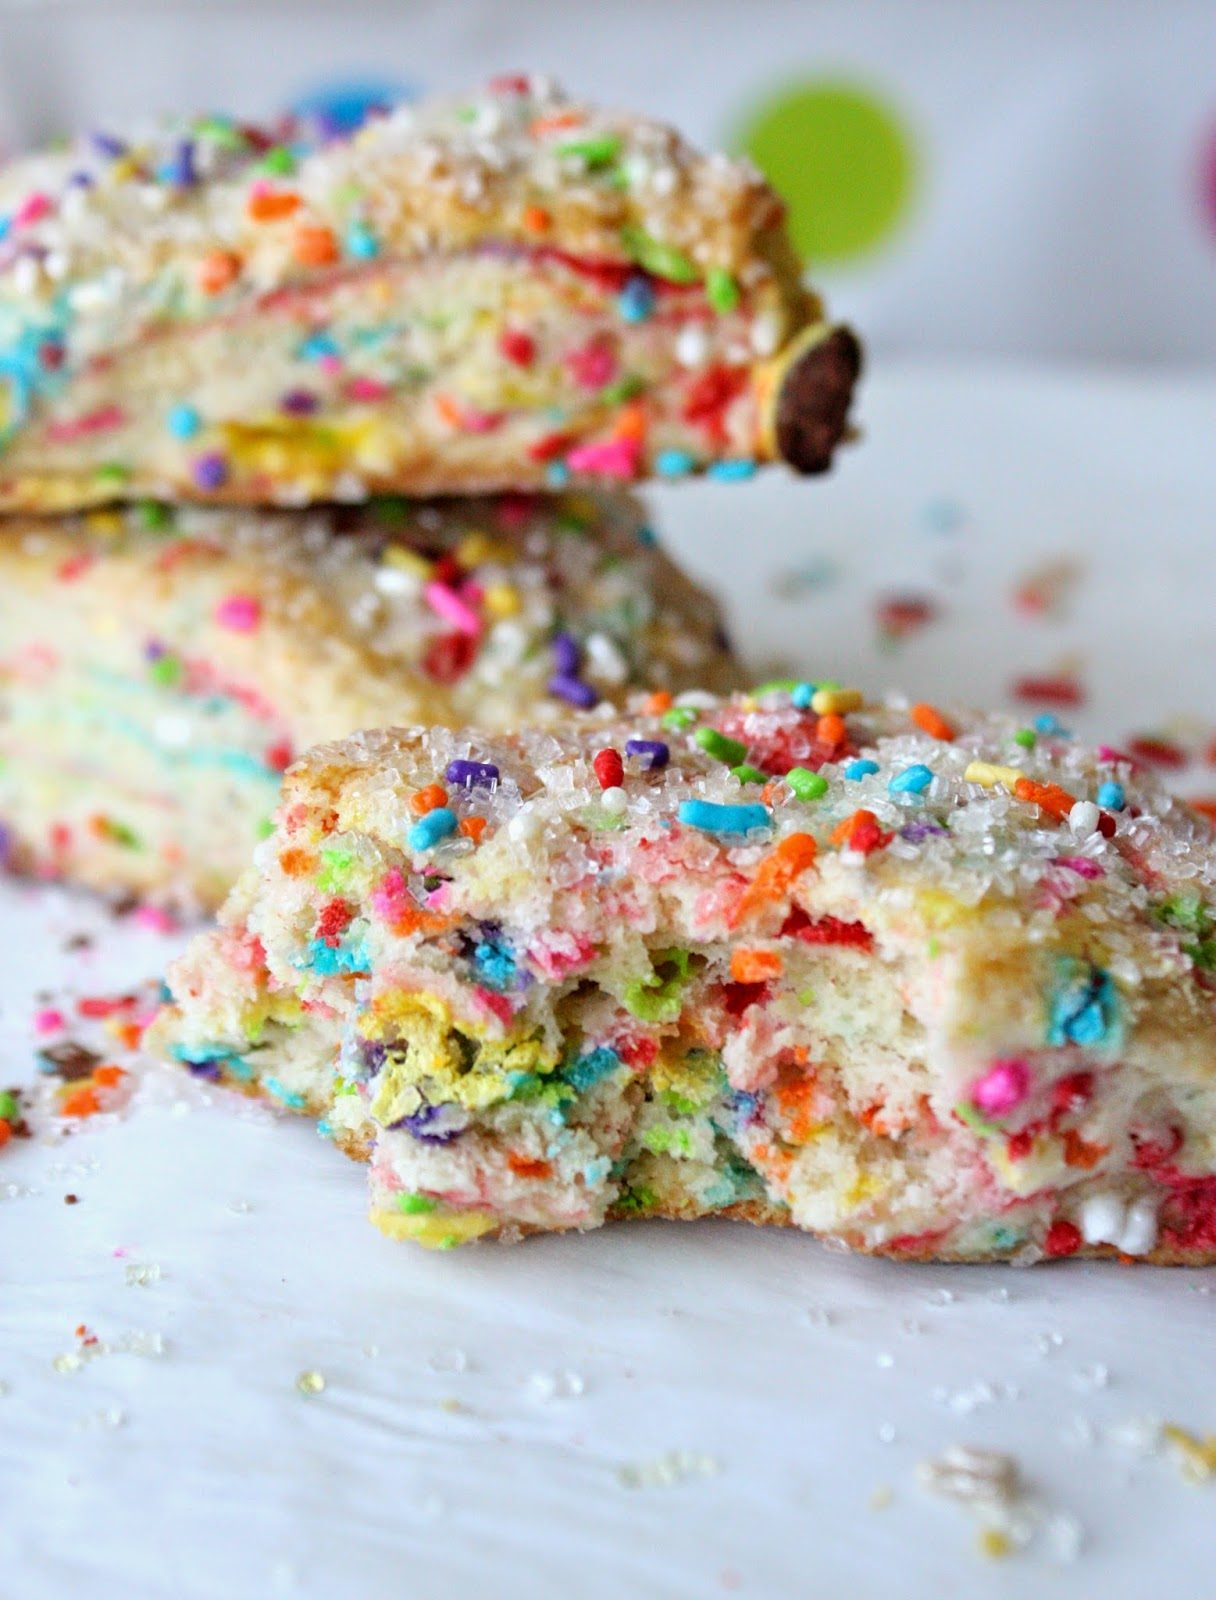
(841, 158)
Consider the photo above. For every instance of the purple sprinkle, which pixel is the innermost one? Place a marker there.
(915, 832)
(180, 168)
(574, 691)
(6, 844)
(206, 1069)
(434, 1124)
(153, 650)
(81, 180)
(108, 146)
(210, 471)
(566, 655)
(299, 403)
(472, 774)
(654, 751)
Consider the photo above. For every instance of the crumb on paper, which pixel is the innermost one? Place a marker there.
(672, 1467)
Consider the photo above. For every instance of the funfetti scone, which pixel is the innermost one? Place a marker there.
(930, 985)
(158, 671)
(503, 290)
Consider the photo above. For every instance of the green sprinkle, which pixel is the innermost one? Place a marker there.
(776, 686)
(416, 1205)
(807, 785)
(1025, 737)
(806, 997)
(221, 131)
(1186, 911)
(663, 260)
(642, 1198)
(965, 1112)
(264, 828)
(166, 670)
(9, 1109)
(112, 472)
(721, 290)
(154, 515)
(657, 997)
(280, 161)
(716, 744)
(679, 718)
(626, 388)
(746, 774)
(390, 510)
(593, 153)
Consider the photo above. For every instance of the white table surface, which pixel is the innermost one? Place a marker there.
(484, 1410)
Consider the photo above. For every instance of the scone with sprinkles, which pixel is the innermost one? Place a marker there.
(159, 670)
(923, 983)
(504, 290)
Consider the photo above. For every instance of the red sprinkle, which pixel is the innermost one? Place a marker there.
(609, 769)
(518, 347)
(826, 930)
(1050, 691)
(334, 919)
(1157, 752)
(1063, 1239)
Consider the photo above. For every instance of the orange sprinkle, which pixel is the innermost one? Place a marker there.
(536, 219)
(555, 122)
(428, 799)
(108, 1076)
(1078, 1153)
(831, 728)
(269, 205)
(6, 1133)
(296, 863)
(315, 246)
(1205, 808)
(795, 1100)
(82, 1101)
(657, 703)
(1048, 797)
(529, 1166)
(776, 874)
(473, 828)
(450, 410)
(129, 1034)
(217, 270)
(754, 966)
(930, 720)
(630, 422)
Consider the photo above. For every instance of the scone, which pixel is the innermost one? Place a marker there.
(927, 985)
(158, 671)
(501, 291)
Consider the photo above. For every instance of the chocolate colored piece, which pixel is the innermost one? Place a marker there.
(813, 403)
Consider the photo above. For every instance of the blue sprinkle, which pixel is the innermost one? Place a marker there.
(589, 1069)
(1084, 1005)
(674, 463)
(183, 422)
(912, 780)
(288, 1097)
(361, 242)
(317, 347)
(1111, 795)
(328, 959)
(325, 1128)
(636, 300)
(711, 818)
(495, 966)
(5, 224)
(731, 471)
(648, 538)
(860, 769)
(1050, 724)
(801, 695)
(429, 830)
(557, 474)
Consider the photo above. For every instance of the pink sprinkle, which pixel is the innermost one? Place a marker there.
(592, 365)
(155, 919)
(474, 420)
(32, 209)
(1004, 1086)
(80, 427)
(49, 1021)
(330, 364)
(618, 458)
(445, 602)
(390, 898)
(240, 613)
(1081, 865)
(369, 389)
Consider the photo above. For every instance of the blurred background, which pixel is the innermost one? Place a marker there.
(1018, 178)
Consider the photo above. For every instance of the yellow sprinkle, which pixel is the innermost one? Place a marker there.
(501, 600)
(1197, 1457)
(989, 775)
(109, 523)
(826, 701)
(311, 1382)
(476, 548)
(440, 1229)
(995, 1544)
(406, 560)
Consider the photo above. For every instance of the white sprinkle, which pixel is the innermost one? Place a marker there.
(1102, 1219)
(614, 799)
(765, 334)
(1139, 1232)
(692, 345)
(1083, 819)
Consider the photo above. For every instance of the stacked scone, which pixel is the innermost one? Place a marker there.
(508, 296)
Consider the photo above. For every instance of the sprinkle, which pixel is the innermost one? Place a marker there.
(574, 691)
(729, 751)
(472, 774)
(930, 720)
(748, 774)
(217, 270)
(299, 403)
(209, 471)
(805, 784)
(912, 780)
(711, 818)
(32, 209)
(311, 1382)
(653, 752)
(593, 153)
(271, 205)
(429, 830)
(567, 655)
(1050, 726)
(360, 242)
(801, 696)
(860, 833)
(1026, 737)
(661, 260)
(836, 702)
(636, 302)
(1084, 818)
(860, 769)
(721, 290)
(1060, 691)
(1111, 795)
(754, 966)
(428, 798)
(1048, 797)
(611, 458)
(314, 245)
(614, 799)
(446, 603)
(609, 768)
(239, 613)
(517, 347)
(692, 345)
(1157, 752)
(674, 463)
(1084, 1006)
(731, 471)
(1002, 1088)
(776, 874)
(989, 775)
